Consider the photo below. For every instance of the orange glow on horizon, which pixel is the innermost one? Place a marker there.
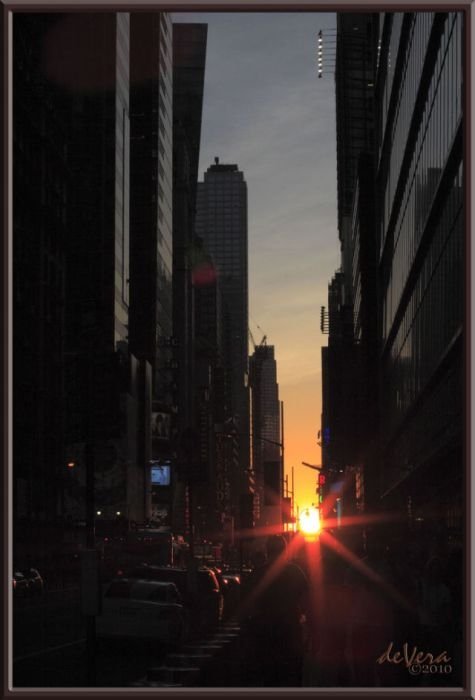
(309, 522)
(302, 418)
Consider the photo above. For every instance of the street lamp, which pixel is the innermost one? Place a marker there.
(318, 467)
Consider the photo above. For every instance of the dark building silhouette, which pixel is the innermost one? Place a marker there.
(212, 490)
(105, 371)
(221, 222)
(189, 260)
(93, 126)
(420, 187)
(101, 374)
(349, 363)
(396, 424)
(151, 247)
(266, 435)
(41, 197)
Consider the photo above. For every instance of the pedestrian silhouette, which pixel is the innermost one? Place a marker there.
(274, 603)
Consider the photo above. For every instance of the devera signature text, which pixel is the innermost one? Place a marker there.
(418, 657)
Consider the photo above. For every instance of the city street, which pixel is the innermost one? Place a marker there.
(238, 453)
(49, 647)
(358, 613)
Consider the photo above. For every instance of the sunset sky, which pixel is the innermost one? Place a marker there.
(266, 110)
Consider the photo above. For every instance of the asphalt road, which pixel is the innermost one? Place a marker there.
(49, 647)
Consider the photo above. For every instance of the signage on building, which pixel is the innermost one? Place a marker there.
(160, 425)
(160, 473)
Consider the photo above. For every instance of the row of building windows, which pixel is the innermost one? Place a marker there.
(434, 313)
(225, 202)
(165, 242)
(216, 214)
(436, 422)
(396, 27)
(439, 121)
(411, 75)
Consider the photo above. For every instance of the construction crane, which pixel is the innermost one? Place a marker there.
(263, 341)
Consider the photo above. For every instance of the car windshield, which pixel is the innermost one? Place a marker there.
(159, 595)
(173, 576)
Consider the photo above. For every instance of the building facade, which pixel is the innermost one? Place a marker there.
(151, 248)
(266, 436)
(41, 195)
(221, 222)
(350, 362)
(399, 295)
(189, 56)
(101, 374)
(421, 225)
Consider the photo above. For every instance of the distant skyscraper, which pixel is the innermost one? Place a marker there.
(266, 438)
(221, 221)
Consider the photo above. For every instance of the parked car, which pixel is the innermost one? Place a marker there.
(232, 593)
(35, 581)
(21, 586)
(202, 595)
(140, 609)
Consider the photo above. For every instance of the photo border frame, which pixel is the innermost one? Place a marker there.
(9, 7)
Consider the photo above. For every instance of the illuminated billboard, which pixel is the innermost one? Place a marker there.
(160, 425)
(160, 474)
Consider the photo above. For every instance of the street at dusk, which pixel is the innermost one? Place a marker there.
(239, 350)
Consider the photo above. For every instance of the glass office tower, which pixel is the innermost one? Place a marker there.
(421, 261)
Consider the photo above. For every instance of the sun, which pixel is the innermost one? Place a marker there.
(309, 522)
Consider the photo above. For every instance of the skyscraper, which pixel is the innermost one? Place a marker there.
(221, 222)
(151, 98)
(400, 125)
(41, 195)
(349, 363)
(151, 242)
(421, 256)
(266, 437)
(100, 371)
(189, 55)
